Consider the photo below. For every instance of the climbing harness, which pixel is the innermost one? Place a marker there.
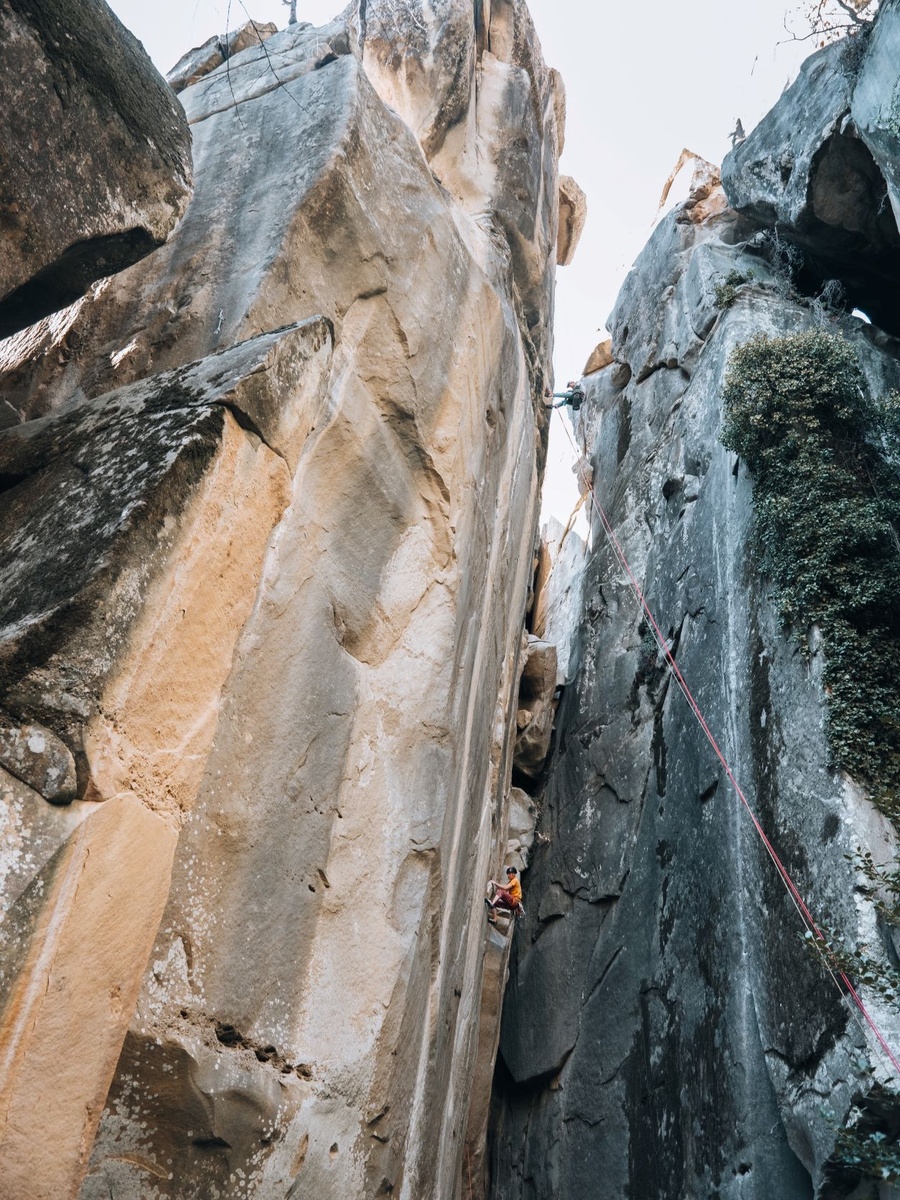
(838, 976)
(512, 914)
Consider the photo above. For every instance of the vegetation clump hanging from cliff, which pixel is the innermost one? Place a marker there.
(825, 457)
(726, 289)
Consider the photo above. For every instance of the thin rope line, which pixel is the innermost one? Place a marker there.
(262, 43)
(663, 643)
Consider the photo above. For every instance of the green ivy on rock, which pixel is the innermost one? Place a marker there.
(825, 456)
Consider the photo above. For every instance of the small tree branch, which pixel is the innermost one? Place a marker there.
(851, 12)
(829, 19)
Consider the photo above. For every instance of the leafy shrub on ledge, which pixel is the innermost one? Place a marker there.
(824, 455)
(726, 290)
(873, 1155)
(867, 1147)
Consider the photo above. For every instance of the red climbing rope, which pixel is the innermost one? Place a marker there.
(806, 916)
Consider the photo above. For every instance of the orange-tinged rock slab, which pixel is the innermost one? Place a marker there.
(62, 1026)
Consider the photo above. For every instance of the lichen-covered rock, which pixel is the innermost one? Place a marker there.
(688, 260)
(37, 757)
(768, 175)
(94, 497)
(875, 105)
(664, 1030)
(95, 160)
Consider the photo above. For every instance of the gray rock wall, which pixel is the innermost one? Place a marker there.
(821, 167)
(664, 1032)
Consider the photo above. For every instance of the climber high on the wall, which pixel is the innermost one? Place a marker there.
(505, 899)
(574, 395)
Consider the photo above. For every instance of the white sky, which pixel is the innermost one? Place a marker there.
(643, 80)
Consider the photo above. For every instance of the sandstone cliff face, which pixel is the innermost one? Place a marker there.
(663, 1030)
(285, 488)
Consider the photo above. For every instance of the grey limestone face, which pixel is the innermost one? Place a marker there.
(664, 1032)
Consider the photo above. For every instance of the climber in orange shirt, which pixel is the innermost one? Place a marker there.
(508, 898)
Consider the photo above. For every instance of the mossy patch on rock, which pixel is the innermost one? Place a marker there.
(823, 453)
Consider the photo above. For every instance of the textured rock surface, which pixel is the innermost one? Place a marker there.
(822, 166)
(520, 828)
(105, 889)
(478, 96)
(150, 509)
(572, 216)
(769, 173)
(558, 587)
(663, 1030)
(38, 758)
(191, 67)
(599, 357)
(106, 168)
(283, 635)
(875, 105)
(313, 206)
(535, 709)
